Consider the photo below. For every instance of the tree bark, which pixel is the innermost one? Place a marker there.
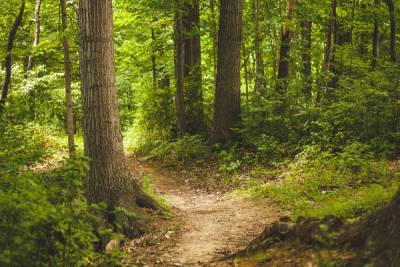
(328, 49)
(306, 26)
(36, 37)
(392, 15)
(375, 39)
(284, 54)
(227, 95)
(179, 70)
(8, 61)
(260, 79)
(109, 179)
(192, 68)
(67, 78)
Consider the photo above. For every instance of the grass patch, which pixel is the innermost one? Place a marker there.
(327, 187)
(148, 189)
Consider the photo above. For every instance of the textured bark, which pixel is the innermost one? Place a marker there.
(8, 61)
(306, 26)
(227, 95)
(192, 68)
(392, 15)
(36, 37)
(284, 54)
(375, 39)
(109, 179)
(179, 70)
(260, 79)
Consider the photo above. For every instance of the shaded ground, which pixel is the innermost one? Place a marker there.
(205, 228)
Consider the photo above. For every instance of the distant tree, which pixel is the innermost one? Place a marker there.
(227, 95)
(375, 38)
(392, 16)
(67, 78)
(36, 36)
(179, 70)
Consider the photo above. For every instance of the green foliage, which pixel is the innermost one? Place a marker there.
(347, 184)
(188, 150)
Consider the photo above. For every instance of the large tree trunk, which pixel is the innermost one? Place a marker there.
(227, 95)
(67, 78)
(260, 79)
(192, 68)
(179, 70)
(284, 54)
(109, 179)
(8, 61)
(36, 37)
(375, 39)
(391, 9)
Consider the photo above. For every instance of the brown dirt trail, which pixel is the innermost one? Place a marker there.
(209, 226)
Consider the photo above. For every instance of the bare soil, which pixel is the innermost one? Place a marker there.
(205, 227)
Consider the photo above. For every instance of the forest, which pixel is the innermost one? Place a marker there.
(199, 133)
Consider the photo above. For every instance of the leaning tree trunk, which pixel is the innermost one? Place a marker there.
(36, 37)
(8, 61)
(67, 78)
(227, 95)
(109, 179)
(192, 68)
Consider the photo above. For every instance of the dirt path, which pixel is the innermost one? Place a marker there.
(210, 225)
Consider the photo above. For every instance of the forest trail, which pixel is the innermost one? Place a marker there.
(209, 225)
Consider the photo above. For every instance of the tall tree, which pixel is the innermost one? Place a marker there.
(8, 61)
(179, 70)
(284, 54)
(192, 67)
(392, 16)
(227, 95)
(109, 179)
(260, 79)
(306, 30)
(375, 37)
(331, 29)
(36, 36)
(67, 78)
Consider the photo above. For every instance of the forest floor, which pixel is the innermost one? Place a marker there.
(204, 227)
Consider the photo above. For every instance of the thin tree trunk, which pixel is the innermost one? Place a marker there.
(214, 38)
(375, 39)
(36, 37)
(284, 54)
(260, 79)
(179, 70)
(246, 76)
(227, 95)
(8, 61)
(153, 56)
(306, 26)
(109, 179)
(328, 49)
(67, 78)
(391, 9)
